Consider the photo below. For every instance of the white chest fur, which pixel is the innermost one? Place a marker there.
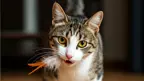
(77, 73)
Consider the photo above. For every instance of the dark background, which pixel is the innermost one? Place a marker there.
(120, 29)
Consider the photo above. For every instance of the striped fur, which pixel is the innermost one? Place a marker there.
(88, 61)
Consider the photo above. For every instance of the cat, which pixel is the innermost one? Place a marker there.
(78, 44)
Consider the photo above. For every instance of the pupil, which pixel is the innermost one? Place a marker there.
(62, 39)
(82, 42)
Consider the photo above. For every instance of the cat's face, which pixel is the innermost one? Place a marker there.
(73, 38)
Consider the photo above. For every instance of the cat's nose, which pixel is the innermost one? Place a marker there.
(68, 56)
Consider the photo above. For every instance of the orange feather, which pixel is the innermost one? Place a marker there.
(38, 65)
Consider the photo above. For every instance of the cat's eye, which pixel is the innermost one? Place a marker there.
(62, 40)
(82, 44)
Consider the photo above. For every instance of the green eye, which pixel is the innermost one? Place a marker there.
(62, 40)
(82, 44)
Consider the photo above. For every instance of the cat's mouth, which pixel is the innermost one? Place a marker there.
(68, 61)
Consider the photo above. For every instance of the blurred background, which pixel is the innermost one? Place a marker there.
(25, 25)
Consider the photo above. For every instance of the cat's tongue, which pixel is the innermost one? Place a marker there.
(68, 62)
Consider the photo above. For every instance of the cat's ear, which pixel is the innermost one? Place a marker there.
(58, 14)
(95, 21)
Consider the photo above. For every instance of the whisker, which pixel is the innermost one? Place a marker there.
(47, 49)
(38, 58)
(42, 57)
(37, 55)
(41, 52)
(44, 49)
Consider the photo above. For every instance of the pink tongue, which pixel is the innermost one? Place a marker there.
(67, 61)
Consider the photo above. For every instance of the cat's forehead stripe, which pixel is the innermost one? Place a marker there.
(76, 27)
(69, 33)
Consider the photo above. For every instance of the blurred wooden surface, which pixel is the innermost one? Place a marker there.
(109, 76)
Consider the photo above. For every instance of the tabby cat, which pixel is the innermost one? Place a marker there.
(78, 44)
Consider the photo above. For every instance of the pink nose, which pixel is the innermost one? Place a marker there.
(68, 56)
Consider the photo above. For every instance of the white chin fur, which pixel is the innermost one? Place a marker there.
(52, 62)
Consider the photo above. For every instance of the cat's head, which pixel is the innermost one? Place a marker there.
(74, 38)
